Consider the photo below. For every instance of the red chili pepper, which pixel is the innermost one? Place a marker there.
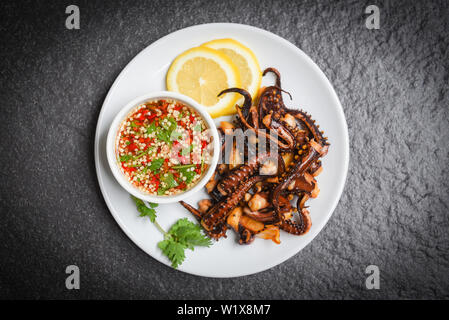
(155, 181)
(203, 144)
(177, 107)
(129, 169)
(132, 147)
(151, 116)
(198, 169)
(191, 118)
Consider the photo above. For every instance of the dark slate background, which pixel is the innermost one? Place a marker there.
(392, 84)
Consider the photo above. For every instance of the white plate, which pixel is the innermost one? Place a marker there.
(311, 91)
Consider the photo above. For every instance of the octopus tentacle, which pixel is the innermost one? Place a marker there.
(230, 182)
(276, 73)
(254, 116)
(282, 146)
(247, 99)
(216, 216)
(280, 130)
(305, 222)
(191, 209)
(264, 215)
(245, 235)
(312, 127)
(271, 100)
(298, 169)
(301, 184)
(268, 215)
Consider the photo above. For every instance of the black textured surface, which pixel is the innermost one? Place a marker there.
(392, 84)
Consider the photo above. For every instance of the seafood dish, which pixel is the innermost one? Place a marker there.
(264, 180)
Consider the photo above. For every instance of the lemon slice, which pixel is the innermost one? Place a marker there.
(244, 59)
(202, 73)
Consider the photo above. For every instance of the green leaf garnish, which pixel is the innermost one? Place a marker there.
(163, 135)
(173, 123)
(184, 234)
(151, 128)
(125, 158)
(144, 210)
(169, 180)
(156, 164)
(184, 166)
(189, 234)
(184, 170)
(174, 251)
(140, 155)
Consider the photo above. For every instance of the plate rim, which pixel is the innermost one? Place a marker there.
(270, 34)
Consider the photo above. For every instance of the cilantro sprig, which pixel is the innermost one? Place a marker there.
(145, 211)
(183, 235)
(165, 131)
(125, 158)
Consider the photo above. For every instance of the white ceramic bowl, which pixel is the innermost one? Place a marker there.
(112, 138)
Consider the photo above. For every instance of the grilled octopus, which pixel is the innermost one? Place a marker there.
(234, 192)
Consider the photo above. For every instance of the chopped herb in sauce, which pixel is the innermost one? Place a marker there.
(162, 147)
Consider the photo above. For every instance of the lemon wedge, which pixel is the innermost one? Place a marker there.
(244, 59)
(202, 73)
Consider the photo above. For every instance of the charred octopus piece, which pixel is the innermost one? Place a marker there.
(245, 109)
(232, 180)
(214, 220)
(299, 169)
(276, 73)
